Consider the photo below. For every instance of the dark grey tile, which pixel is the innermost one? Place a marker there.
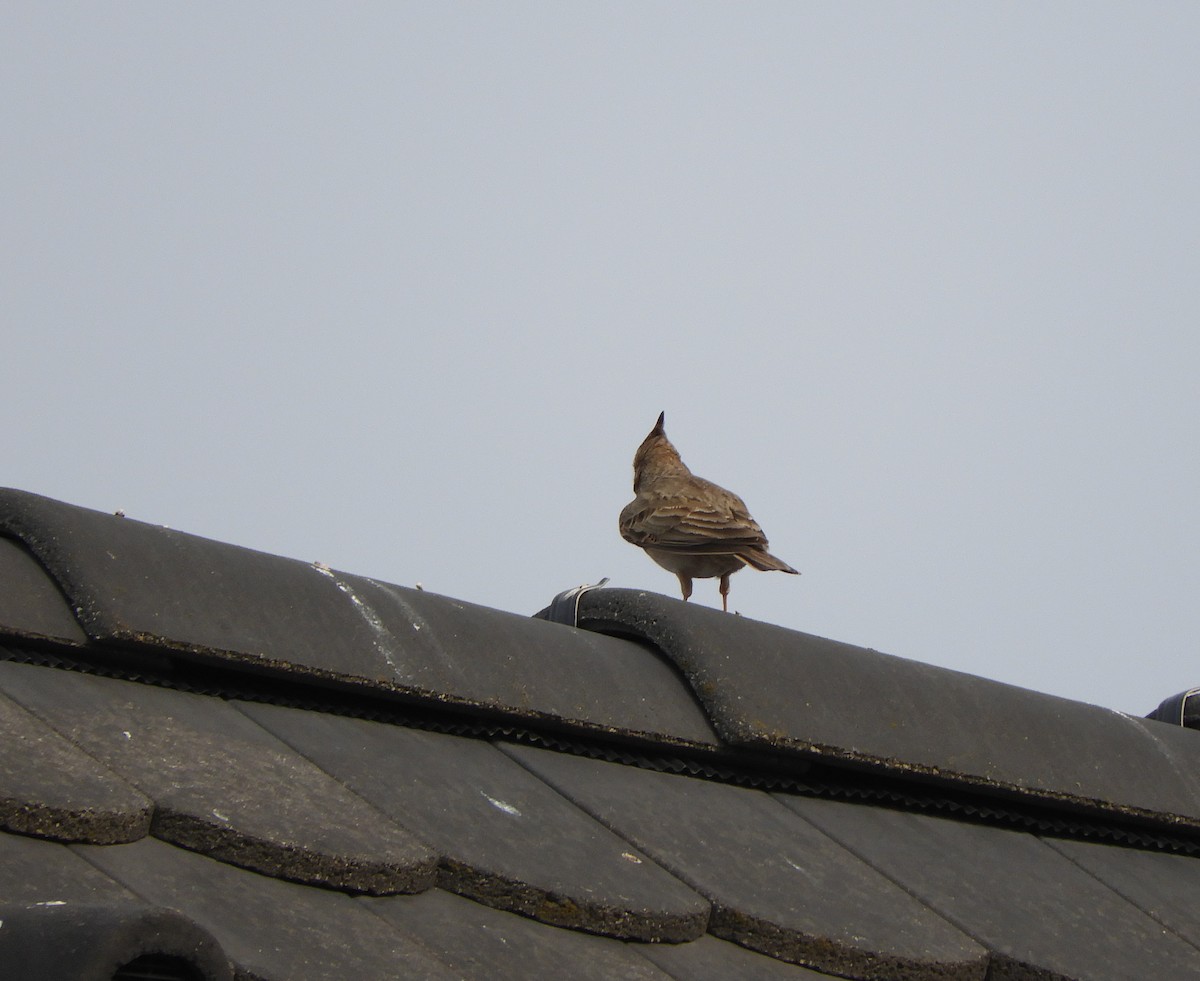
(1165, 886)
(134, 582)
(34, 871)
(224, 786)
(62, 919)
(777, 885)
(527, 666)
(50, 787)
(31, 604)
(506, 838)
(271, 929)
(483, 944)
(81, 942)
(1039, 914)
(767, 687)
(710, 959)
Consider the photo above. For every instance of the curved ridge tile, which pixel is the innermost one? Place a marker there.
(272, 930)
(31, 604)
(507, 840)
(78, 941)
(777, 885)
(222, 785)
(50, 788)
(134, 583)
(61, 917)
(777, 689)
(479, 942)
(500, 661)
(1039, 914)
(131, 581)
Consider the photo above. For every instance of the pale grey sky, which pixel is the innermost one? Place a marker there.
(400, 288)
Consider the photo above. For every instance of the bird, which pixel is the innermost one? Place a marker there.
(689, 525)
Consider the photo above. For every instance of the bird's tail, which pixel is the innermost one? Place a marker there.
(764, 561)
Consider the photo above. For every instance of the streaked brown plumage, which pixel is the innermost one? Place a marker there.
(689, 525)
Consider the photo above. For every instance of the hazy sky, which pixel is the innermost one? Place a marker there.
(400, 288)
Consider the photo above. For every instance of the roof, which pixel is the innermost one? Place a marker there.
(227, 763)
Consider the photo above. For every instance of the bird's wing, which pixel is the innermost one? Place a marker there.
(706, 519)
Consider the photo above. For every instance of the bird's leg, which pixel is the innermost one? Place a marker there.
(685, 585)
(725, 592)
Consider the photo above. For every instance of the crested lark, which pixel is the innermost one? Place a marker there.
(688, 525)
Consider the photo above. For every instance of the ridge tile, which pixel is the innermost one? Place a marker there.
(31, 604)
(81, 942)
(134, 584)
(775, 689)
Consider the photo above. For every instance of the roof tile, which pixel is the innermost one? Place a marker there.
(271, 929)
(776, 884)
(33, 871)
(49, 787)
(141, 584)
(526, 667)
(1164, 885)
(775, 689)
(1037, 912)
(478, 942)
(245, 797)
(31, 604)
(206, 635)
(506, 838)
(81, 942)
(710, 959)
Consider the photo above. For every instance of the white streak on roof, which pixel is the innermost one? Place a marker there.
(501, 805)
(799, 868)
(384, 641)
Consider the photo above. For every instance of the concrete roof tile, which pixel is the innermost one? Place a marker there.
(506, 839)
(1032, 908)
(222, 785)
(780, 690)
(271, 929)
(51, 788)
(776, 884)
